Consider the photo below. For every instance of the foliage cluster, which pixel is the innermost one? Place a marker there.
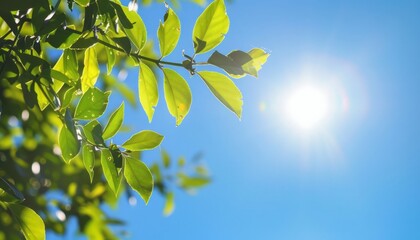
(52, 108)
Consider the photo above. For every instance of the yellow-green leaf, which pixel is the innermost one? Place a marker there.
(259, 57)
(67, 139)
(90, 70)
(88, 156)
(115, 122)
(111, 172)
(169, 32)
(169, 204)
(30, 223)
(93, 133)
(143, 140)
(139, 177)
(148, 90)
(92, 104)
(83, 3)
(200, 2)
(137, 33)
(177, 95)
(192, 182)
(166, 159)
(110, 53)
(224, 89)
(66, 65)
(211, 27)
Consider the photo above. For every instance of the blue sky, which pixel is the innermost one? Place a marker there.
(354, 176)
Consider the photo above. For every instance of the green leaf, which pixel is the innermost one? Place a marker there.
(238, 63)
(68, 97)
(63, 38)
(93, 133)
(143, 140)
(211, 27)
(177, 95)
(115, 122)
(139, 177)
(92, 104)
(188, 182)
(137, 33)
(67, 139)
(169, 204)
(29, 96)
(9, 193)
(123, 19)
(259, 57)
(10, 21)
(110, 59)
(232, 67)
(61, 78)
(200, 2)
(84, 42)
(124, 43)
(71, 67)
(169, 32)
(245, 61)
(181, 162)
(111, 172)
(148, 90)
(117, 155)
(166, 159)
(224, 89)
(30, 223)
(88, 156)
(83, 3)
(90, 70)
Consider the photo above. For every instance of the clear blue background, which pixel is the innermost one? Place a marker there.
(355, 177)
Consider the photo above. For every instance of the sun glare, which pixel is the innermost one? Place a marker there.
(307, 106)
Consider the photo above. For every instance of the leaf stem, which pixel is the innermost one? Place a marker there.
(138, 56)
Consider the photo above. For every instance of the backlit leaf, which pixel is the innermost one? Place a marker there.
(148, 90)
(169, 204)
(110, 59)
(92, 104)
(111, 172)
(224, 89)
(115, 122)
(137, 33)
(188, 182)
(211, 27)
(226, 63)
(259, 57)
(166, 159)
(83, 3)
(93, 133)
(238, 63)
(30, 223)
(144, 140)
(177, 95)
(67, 139)
(169, 32)
(9, 193)
(90, 70)
(88, 156)
(63, 37)
(139, 177)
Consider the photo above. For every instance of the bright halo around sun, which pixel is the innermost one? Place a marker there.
(307, 106)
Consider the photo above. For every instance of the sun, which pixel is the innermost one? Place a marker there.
(307, 106)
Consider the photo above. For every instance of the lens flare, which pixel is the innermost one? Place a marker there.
(307, 106)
